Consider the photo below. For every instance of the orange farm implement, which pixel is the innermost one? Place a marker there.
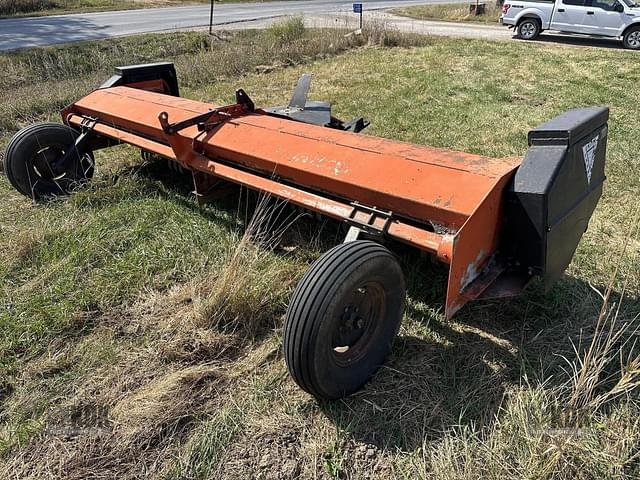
(496, 222)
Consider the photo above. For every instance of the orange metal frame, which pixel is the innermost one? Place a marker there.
(444, 202)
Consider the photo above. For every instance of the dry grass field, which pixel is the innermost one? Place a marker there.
(450, 12)
(140, 335)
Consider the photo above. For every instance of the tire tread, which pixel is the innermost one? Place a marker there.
(310, 301)
(10, 157)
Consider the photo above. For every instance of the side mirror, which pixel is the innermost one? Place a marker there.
(618, 7)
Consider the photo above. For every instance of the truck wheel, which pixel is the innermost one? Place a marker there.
(631, 38)
(31, 161)
(343, 318)
(529, 29)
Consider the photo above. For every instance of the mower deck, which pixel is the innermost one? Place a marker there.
(497, 222)
(430, 193)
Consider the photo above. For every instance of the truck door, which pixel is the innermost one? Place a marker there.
(569, 16)
(603, 19)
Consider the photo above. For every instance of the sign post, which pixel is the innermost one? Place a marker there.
(213, 4)
(357, 8)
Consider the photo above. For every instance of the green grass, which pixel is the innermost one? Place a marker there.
(139, 333)
(450, 12)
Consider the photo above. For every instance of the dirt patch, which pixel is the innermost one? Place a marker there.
(269, 455)
(171, 319)
(367, 459)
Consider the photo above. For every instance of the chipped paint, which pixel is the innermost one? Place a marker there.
(318, 161)
(340, 169)
(472, 271)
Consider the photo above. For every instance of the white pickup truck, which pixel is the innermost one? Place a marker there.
(606, 18)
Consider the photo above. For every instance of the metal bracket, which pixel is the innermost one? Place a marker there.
(86, 126)
(211, 119)
(243, 99)
(353, 234)
(370, 223)
(88, 123)
(313, 113)
(356, 125)
(300, 94)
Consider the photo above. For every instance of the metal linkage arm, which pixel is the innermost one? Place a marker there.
(212, 118)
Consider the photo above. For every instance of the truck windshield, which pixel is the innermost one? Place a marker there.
(630, 3)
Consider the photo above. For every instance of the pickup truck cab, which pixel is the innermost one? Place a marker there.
(605, 18)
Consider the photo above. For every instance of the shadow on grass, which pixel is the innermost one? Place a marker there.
(580, 41)
(457, 373)
(240, 204)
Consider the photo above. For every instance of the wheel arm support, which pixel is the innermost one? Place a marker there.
(86, 126)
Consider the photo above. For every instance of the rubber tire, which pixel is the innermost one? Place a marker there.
(313, 310)
(23, 146)
(625, 38)
(527, 21)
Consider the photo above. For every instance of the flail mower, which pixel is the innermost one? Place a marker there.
(496, 222)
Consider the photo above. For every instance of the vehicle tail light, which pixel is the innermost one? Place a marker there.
(505, 8)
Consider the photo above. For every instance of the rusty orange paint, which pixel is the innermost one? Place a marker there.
(473, 246)
(410, 180)
(429, 190)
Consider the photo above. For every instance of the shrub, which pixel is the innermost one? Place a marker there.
(288, 31)
(12, 7)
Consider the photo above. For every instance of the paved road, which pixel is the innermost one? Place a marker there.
(426, 27)
(459, 30)
(490, 31)
(38, 31)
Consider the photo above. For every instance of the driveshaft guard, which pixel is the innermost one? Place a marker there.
(555, 191)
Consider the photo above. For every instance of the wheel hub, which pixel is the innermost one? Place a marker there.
(46, 165)
(362, 309)
(351, 327)
(528, 30)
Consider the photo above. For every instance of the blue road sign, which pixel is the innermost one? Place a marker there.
(357, 8)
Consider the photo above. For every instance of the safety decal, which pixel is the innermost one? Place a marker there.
(589, 154)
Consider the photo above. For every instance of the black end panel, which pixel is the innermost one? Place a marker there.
(555, 191)
(142, 73)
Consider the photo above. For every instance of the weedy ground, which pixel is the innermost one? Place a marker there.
(140, 335)
(451, 12)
